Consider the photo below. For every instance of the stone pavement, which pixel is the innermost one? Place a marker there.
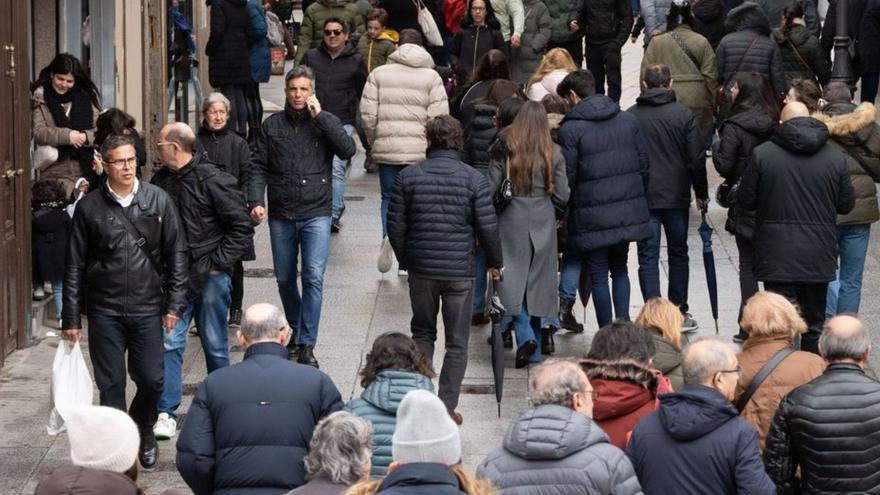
(359, 305)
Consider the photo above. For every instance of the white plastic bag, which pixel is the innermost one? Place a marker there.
(71, 384)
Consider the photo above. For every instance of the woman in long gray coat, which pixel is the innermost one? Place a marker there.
(526, 156)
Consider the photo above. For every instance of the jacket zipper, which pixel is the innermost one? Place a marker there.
(476, 47)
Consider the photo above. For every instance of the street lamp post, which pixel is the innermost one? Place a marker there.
(842, 71)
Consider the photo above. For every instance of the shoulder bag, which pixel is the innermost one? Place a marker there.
(504, 194)
(719, 93)
(428, 25)
(761, 376)
(681, 44)
(140, 239)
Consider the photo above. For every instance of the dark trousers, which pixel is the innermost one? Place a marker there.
(237, 286)
(575, 48)
(870, 81)
(238, 107)
(425, 295)
(110, 337)
(603, 60)
(810, 298)
(254, 110)
(601, 262)
(748, 284)
(674, 221)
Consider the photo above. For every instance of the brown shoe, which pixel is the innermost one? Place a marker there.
(479, 319)
(456, 416)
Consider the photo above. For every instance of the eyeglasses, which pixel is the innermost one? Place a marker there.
(478, 9)
(738, 370)
(592, 393)
(164, 143)
(332, 32)
(122, 162)
(214, 113)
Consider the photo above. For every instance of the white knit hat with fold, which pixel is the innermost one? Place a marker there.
(425, 432)
(101, 438)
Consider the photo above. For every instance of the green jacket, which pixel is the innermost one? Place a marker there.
(311, 32)
(376, 51)
(507, 11)
(667, 358)
(559, 10)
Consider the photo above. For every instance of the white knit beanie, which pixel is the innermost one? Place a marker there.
(101, 438)
(425, 432)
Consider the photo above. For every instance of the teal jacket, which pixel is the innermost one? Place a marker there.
(378, 404)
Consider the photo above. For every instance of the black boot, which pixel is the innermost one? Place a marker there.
(235, 318)
(307, 356)
(149, 450)
(507, 339)
(548, 345)
(566, 318)
(524, 353)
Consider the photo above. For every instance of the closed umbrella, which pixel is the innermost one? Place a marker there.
(709, 264)
(496, 311)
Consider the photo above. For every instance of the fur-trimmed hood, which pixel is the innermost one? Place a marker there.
(621, 369)
(846, 118)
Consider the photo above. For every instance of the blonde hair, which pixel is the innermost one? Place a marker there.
(661, 315)
(768, 313)
(469, 484)
(555, 59)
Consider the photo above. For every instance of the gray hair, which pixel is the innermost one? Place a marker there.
(114, 141)
(703, 358)
(215, 98)
(341, 446)
(844, 337)
(300, 71)
(556, 381)
(262, 322)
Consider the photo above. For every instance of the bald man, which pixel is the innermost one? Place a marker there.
(829, 428)
(219, 231)
(697, 443)
(797, 184)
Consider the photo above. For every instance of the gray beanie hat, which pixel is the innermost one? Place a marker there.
(101, 438)
(425, 432)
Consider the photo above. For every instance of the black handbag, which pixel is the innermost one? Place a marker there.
(725, 195)
(504, 194)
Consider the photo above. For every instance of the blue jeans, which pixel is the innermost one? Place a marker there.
(675, 222)
(599, 263)
(210, 311)
(845, 293)
(387, 176)
(312, 237)
(480, 284)
(340, 167)
(526, 328)
(57, 286)
(569, 276)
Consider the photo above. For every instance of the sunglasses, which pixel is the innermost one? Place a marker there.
(332, 32)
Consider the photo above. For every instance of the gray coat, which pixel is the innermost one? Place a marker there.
(528, 238)
(555, 450)
(524, 61)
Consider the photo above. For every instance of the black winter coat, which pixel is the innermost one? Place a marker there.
(869, 38)
(606, 21)
(438, 208)
(50, 225)
(469, 45)
(250, 424)
(675, 149)
(607, 166)
(828, 429)
(747, 24)
(697, 444)
(775, 8)
(339, 82)
(802, 57)
(709, 20)
(293, 156)
(227, 150)
(797, 184)
(855, 18)
(228, 47)
(214, 215)
(421, 478)
(479, 135)
(739, 135)
(105, 264)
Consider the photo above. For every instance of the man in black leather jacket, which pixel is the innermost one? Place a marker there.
(828, 427)
(130, 277)
(218, 232)
(608, 24)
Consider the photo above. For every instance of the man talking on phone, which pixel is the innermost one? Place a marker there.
(293, 158)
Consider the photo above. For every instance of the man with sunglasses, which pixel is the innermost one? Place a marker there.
(697, 443)
(126, 258)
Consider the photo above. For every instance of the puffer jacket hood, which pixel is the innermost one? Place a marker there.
(748, 16)
(618, 398)
(390, 386)
(77, 480)
(656, 96)
(847, 123)
(798, 35)
(757, 122)
(411, 56)
(551, 432)
(596, 107)
(694, 412)
(801, 135)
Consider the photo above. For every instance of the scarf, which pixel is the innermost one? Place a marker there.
(80, 118)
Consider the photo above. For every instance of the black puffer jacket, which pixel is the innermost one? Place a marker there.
(479, 135)
(746, 24)
(828, 428)
(675, 148)
(227, 150)
(293, 156)
(797, 183)
(855, 17)
(214, 216)
(339, 82)
(869, 38)
(802, 57)
(437, 209)
(739, 135)
(228, 47)
(607, 166)
(606, 21)
(105, 264)
(709, 20)
(775, 8)
(470, 44)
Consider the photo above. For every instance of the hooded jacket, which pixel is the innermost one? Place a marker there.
(228, 47)
(854, 130)
(311, 32)
(470, 44)
(709, 20)
(775, 8)
(654, 16)
(552, 449)
(524, 61)
(398, 101)
(378, 403)
(559, 32)
(797, 185)
(675, 148)
(76, 480)
(607, 165)
(667, 358)
(802, 57)
(697, 444)
(259, 56)
(747, 24)
(605, 21)
(375, 52)
(421, 478)
(339, 80)
(479, 135)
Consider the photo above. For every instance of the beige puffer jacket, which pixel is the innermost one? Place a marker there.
(398, 101)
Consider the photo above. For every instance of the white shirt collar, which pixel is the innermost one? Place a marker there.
(126, 201)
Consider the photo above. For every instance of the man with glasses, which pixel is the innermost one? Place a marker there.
(697, 443)
(218, 231)
(126, 258)
(340, 74)
(555, 447)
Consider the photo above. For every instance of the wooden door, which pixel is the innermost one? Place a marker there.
(15, 262)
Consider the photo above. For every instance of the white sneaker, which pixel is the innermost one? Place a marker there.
(386, 257)
(39, 293)
(402, 273)
(166, 427)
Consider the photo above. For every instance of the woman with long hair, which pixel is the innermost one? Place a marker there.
(526, 156)
(115, 122)
(65, 104)
(663, 319)
(478, 35)
(751, 120)
(492, 65)
(802, 57)
(556, 64)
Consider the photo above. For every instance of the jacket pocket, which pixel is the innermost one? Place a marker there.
(313, 189)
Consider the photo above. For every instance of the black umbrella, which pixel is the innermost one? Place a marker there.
(709, 265)
(496, 311)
